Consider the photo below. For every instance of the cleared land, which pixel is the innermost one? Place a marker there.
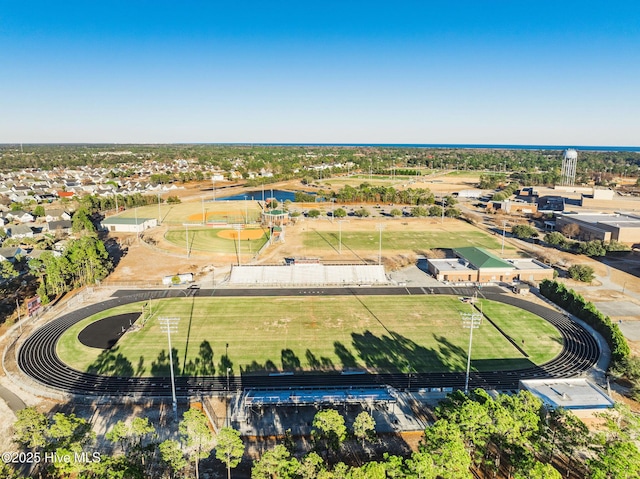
(313, 334)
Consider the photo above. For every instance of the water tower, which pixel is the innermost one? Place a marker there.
(569, 163)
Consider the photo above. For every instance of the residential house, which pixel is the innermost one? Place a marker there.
(56, 215)
(9, 254)
(21, 216)
(19, 231)
(60, 226)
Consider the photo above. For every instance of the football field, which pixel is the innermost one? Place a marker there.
(263, 335)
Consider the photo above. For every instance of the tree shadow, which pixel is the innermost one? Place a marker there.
(225, 365)
(111, 363)
(256, 368)
(318, 364)
(140, 369)
(205, 354)
(397, 353)
(290, 362)
(160, 367)
(347, 359)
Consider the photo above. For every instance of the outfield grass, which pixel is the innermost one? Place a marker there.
(207, 239)
(400, 240)
(377, 333)
(191, 212)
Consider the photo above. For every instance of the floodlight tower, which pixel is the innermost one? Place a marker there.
(170, 325)
(569, 163)
(471, 321)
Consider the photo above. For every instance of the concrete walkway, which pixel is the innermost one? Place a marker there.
(13, 401)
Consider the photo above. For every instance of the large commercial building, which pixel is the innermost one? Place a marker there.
(476, 265)
(621, 227)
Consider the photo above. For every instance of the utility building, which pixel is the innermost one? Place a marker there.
(476, 265)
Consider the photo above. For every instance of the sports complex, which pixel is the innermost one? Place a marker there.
(299, 337)
(329, 326)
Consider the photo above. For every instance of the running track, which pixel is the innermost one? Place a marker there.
(38, 359)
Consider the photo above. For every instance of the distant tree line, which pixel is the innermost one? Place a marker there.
(585, 310)
(474, 435)
(285, 162)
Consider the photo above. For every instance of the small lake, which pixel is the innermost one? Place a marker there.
(280, 195)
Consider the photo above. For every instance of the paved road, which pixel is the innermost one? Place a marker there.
(13, 401)
(38, 359)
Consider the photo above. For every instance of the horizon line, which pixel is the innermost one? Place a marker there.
(346, 145)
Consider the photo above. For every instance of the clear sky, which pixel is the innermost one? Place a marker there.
(507, 72)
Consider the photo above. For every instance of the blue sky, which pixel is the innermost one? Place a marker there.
(493, 72)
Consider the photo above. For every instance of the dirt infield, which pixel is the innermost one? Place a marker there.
(104, 334)
(247, 234)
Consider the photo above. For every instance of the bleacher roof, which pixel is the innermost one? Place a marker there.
(308, 274)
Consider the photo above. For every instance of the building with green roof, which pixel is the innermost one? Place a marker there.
(481, 258)
(477, 265)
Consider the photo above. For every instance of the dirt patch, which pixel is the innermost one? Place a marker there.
(247, 234)
(215, 216)
(144, 263)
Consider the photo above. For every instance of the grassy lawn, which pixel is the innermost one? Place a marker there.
(520, 325)
(207, 239)
(401, 240)
(376, 333)
(77, 354)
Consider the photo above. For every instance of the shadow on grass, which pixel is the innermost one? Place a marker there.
(160, 367)
(110, 362)
(387, 353)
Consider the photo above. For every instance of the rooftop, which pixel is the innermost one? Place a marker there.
(568, 393)
(627, 220)
(450, 264)
(125, 221)
(481, 258)
(528, 264)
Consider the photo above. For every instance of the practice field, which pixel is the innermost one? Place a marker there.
(219, 240)
(320, 333)
(396, 239)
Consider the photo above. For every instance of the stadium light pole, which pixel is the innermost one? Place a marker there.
(159, 215)
(213, 184)
(471, 321)
(204, 220)
(246, 214)
(340, 236)
(186, 232)
(135, 211)
(504, 226)
(238, 228)
(380, 227)
(171, 325)
(19, 318)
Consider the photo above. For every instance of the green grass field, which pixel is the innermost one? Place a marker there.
(400, 240)
(377, 333)
(207, 239)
